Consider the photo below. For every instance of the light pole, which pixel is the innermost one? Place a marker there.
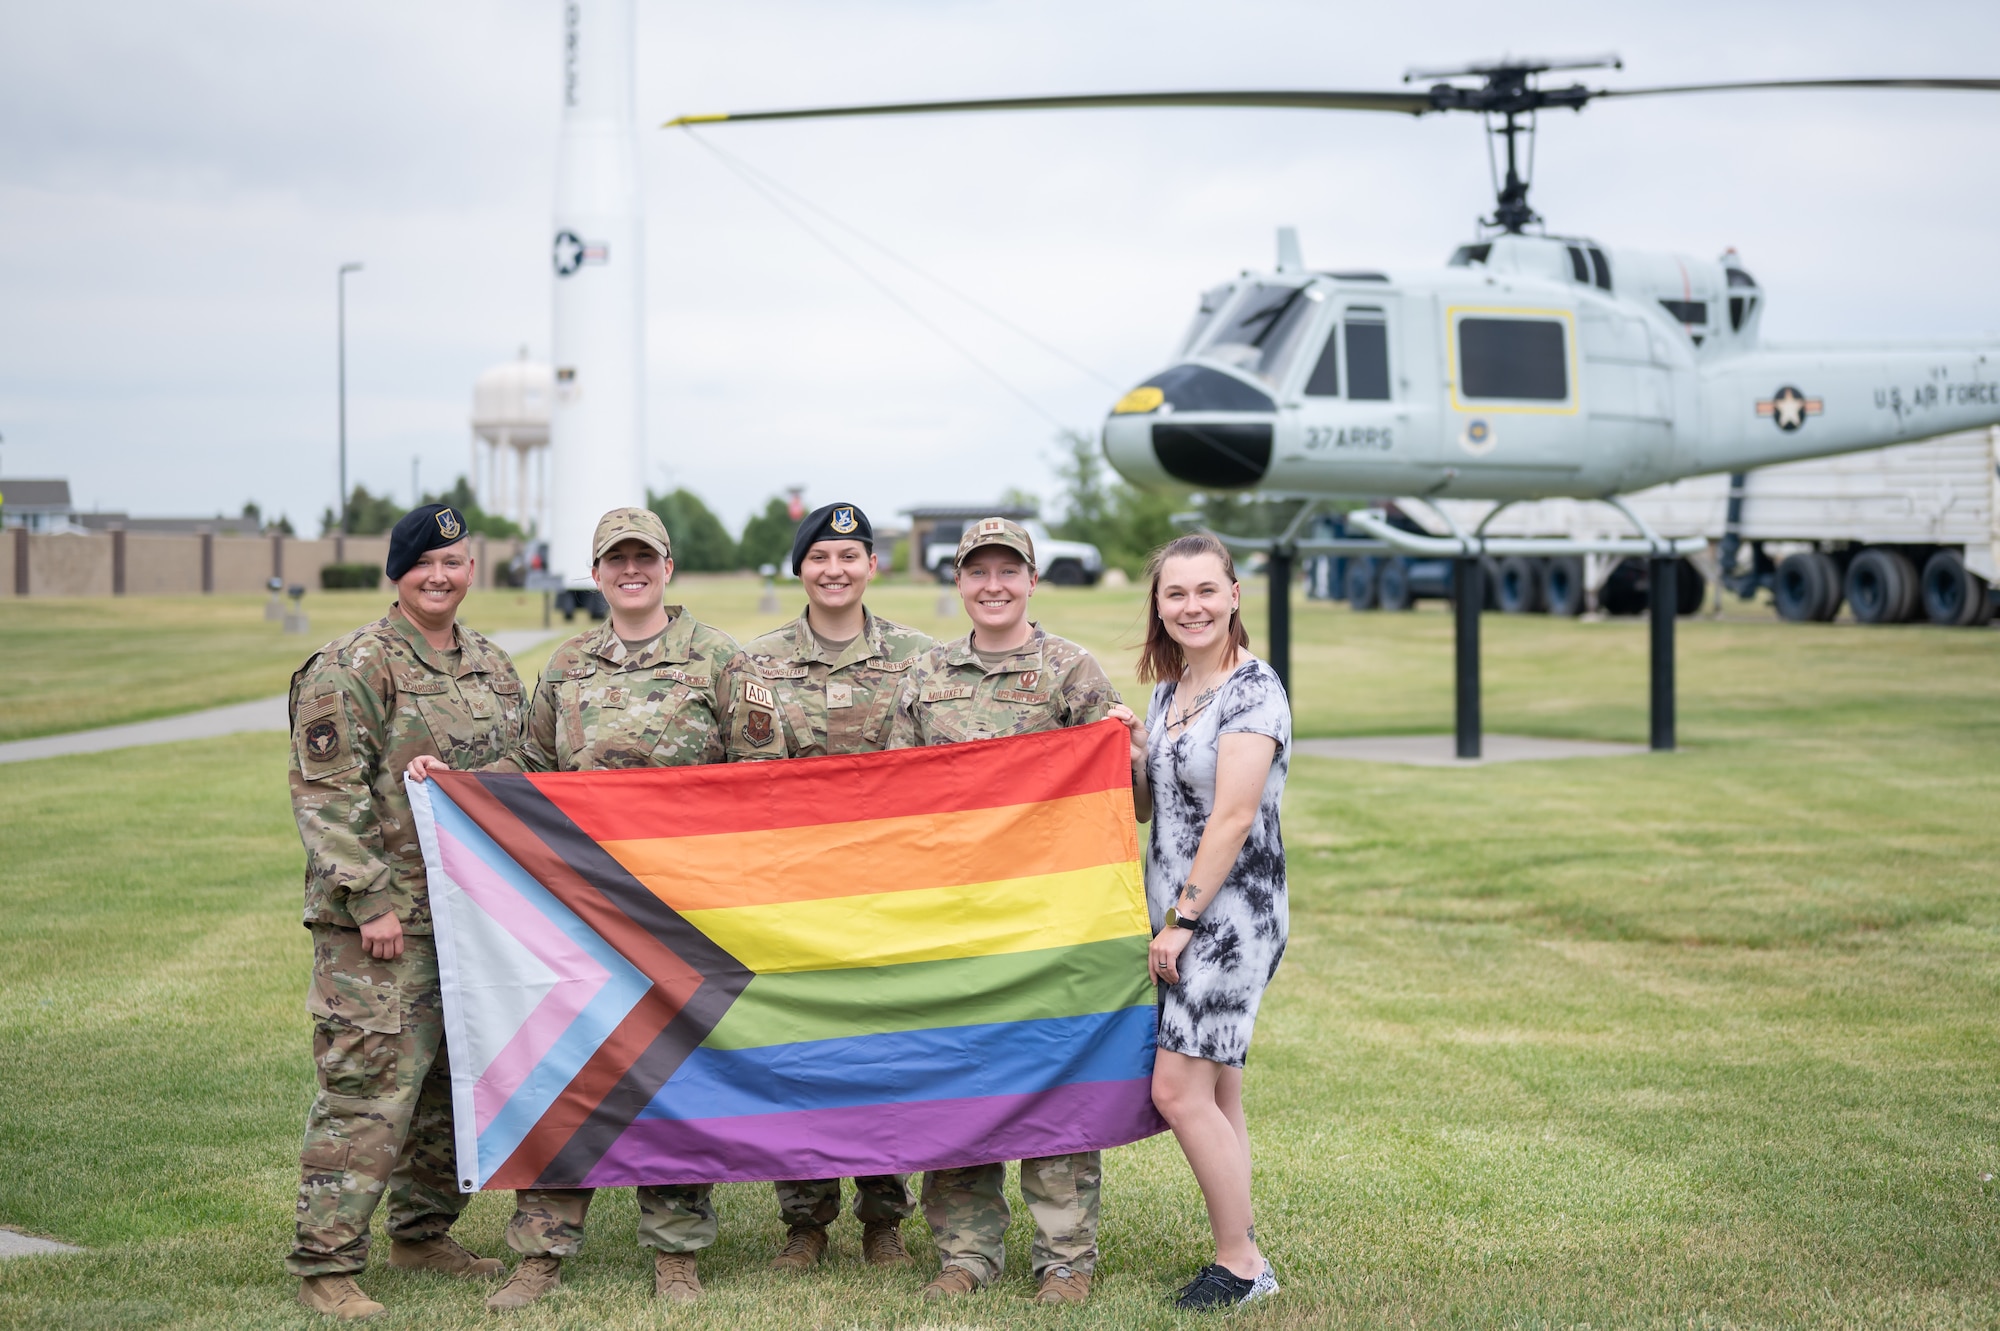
(340, 284)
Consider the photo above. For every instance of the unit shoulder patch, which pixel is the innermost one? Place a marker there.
(321, 736)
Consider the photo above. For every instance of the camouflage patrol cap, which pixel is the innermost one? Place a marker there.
(995, 531)
(630, 524)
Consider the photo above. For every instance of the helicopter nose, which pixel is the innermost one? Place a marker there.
(1192, 426)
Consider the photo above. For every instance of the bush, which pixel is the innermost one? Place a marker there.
(341, 577)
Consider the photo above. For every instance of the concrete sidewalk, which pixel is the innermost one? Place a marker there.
(1442, 750)
(236, 719)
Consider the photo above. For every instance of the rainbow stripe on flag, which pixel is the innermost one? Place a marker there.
(825, 967)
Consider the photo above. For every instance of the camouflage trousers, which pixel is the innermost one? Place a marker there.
(382, 1117)
(968, 1215)
(548, 1222)
(878, 1198)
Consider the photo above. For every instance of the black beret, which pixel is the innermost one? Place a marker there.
(831, 522)
(427, 528)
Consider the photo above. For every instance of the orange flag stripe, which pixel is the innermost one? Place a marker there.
(881, 855)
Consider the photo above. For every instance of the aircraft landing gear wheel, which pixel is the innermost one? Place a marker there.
(1562, 586)
(1359, 584)
(1690, 589)
(1393, 585)
(1803, 588)
(1954, 595)
(1520, 585)
(1881, 586)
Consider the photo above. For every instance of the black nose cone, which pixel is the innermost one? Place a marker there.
(1214, 455)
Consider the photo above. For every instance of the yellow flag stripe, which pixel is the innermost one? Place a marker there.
(932, 924)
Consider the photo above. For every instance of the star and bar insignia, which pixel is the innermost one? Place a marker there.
(1789, 407)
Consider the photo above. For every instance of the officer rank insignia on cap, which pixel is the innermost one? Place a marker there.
(449, 526)
(843, 520)
(991, 527)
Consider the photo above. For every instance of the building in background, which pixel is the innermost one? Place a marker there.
(38, 505)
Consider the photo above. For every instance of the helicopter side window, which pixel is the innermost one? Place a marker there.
(1512, 358)
(1601, 267)
(1579, 267)
(1366, 332)
(1261, 330)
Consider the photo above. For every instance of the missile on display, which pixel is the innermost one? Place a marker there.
(597, 428)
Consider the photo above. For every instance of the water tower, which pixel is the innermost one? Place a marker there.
(510, 441)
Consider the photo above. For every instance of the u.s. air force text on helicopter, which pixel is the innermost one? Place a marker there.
(1531, 366)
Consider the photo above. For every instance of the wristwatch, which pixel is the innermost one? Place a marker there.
(1176, 920)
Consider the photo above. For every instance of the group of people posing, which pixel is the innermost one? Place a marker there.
(418, 692)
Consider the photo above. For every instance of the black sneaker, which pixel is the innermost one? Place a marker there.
(1215, 1287)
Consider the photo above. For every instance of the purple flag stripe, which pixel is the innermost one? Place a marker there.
(859, 1140)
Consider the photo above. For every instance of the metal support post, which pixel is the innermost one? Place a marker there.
(1280, 568)
(1662, 598)
(1468, 595)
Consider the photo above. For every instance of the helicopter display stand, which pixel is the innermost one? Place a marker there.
(1468, 551)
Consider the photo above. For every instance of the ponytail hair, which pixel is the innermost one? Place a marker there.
(1160, 657)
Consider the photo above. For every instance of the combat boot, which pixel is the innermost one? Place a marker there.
(337, 1297)
(534, 1278)
(804, 1245)
(1062, 1285)
(445, 1255)
(949, 1284)
(674, 1279)
(882, 1244)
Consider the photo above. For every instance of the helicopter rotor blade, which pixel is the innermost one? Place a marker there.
(1405, 103)
(1936, 85)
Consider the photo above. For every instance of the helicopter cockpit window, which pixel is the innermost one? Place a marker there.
(1512, 358)
(1365, 328)
(1261, 329)
(1212, 301)
(1579, 267)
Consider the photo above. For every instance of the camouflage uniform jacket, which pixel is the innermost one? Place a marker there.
(795, 699)
(361, 708)
(949, 695)
(597, 707)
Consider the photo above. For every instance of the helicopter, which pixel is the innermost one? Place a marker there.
(1533, 365)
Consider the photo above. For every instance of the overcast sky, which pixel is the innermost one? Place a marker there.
(179, 182)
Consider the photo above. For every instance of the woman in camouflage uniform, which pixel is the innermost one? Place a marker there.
(414, 683)
(647, 688)
(1006, 677)
(826, 683)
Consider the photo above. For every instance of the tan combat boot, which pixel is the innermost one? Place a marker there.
(949, 1284)
(882, 1244)
(337, 1297)
(1062, 1285)
(804, 1245)
(534, 1278)
(445, 1255)
(674, 1279)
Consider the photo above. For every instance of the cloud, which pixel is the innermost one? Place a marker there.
(179, 183)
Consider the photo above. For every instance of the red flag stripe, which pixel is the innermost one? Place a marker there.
(655, 802)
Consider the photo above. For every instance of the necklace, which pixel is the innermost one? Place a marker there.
(1197, 704)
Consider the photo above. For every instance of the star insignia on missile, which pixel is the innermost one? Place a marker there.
(1789, 408)
(568, 253)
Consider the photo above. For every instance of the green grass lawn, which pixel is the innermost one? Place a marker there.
(1700, 1040)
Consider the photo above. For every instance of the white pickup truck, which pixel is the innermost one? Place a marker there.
(1064, 563)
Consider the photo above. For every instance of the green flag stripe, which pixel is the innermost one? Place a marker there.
(789, 1007)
